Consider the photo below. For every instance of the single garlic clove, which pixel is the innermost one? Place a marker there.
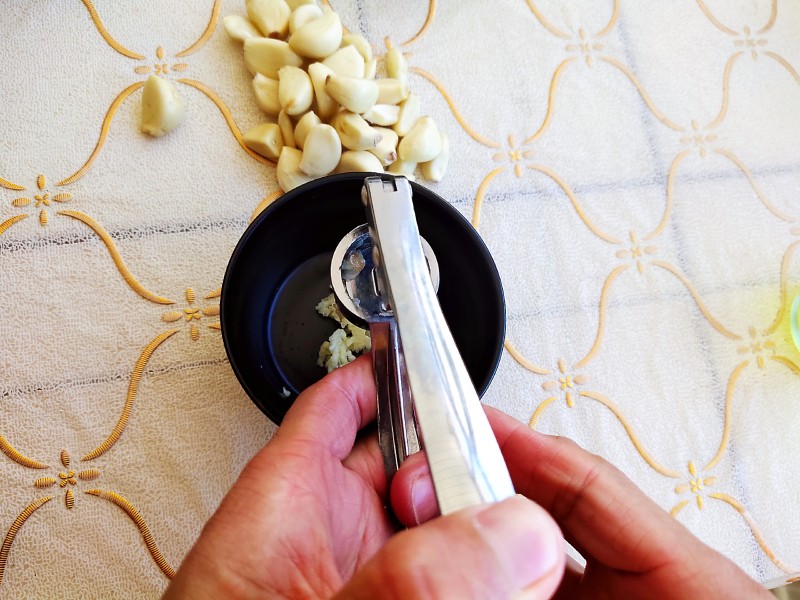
(404, 168)
(321, 152)
(287, 129)
(270, 16)
(288, 170)
(162, 107)
(318, 38)
(363, 46)
(356, 95)
(295, 4)
(306, 123)
(382, 114)
(434, 170)
(266, 140)
(423, 142)
(391, 91)
(326, 106)
(302, 15)
(346, 62)
(370, 68)
(266, 93)
(239, 28)
(358, 161)
(266, 56)
(355, 132)
(386, 150)
(295, 91)
(397, 66)
(409, 114)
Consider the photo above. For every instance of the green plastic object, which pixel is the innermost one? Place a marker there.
(794, 321)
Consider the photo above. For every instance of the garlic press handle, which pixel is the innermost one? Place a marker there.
(465, 461)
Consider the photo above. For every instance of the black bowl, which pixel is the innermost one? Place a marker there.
(280, 270)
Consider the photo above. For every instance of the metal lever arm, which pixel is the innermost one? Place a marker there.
(466, 464)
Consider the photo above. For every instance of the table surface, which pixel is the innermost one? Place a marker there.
(632, 166)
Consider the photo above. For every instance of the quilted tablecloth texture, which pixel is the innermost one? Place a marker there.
(633, 166)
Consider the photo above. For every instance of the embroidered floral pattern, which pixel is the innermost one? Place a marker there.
(696, 485)
(515, 155)
(566, 383)
(67, 479)
(160, 67)
(191, 313)
(585, 46)
(636, 251)
(42, 200)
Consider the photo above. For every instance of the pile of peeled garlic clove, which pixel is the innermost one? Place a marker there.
(327, 112)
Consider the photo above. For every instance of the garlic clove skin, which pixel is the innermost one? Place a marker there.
(239, 28)
(288, 170)
(321, 152)
(435, 169)
(346, 62)
(358, 161)
(265, 91)
(162, 107)
(355, 95)
(271, 17)
(319, 37)
(306, 123)
(423, 142)
(295, 91)
(265, 140)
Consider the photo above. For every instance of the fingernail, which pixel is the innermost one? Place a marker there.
(523, 538)
(423, 499)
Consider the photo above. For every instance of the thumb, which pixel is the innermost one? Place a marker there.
(504, 550)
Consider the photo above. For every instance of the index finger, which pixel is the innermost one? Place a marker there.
(332, 411)
(592, 501)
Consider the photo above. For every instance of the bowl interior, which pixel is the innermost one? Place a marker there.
(280, 270)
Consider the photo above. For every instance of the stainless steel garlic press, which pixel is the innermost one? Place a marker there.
(384, 274)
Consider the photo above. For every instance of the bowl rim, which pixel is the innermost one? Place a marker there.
(292, 195)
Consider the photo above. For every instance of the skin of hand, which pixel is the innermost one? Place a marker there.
(632, 547)
(307, 519)
(308, 513)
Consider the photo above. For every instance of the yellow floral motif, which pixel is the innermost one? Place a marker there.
(758, 346)
(514, 155)
(585, 46)
(698, 139)
(192, 313)
(67, 479)
(160, 67)
(696, 486)
(566, 383)
(42, 200)
(748, 40)
(636, 251)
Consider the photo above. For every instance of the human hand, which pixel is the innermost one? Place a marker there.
(307, 519)
(632, 547)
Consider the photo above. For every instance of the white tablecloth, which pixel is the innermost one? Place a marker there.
(633, 166)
